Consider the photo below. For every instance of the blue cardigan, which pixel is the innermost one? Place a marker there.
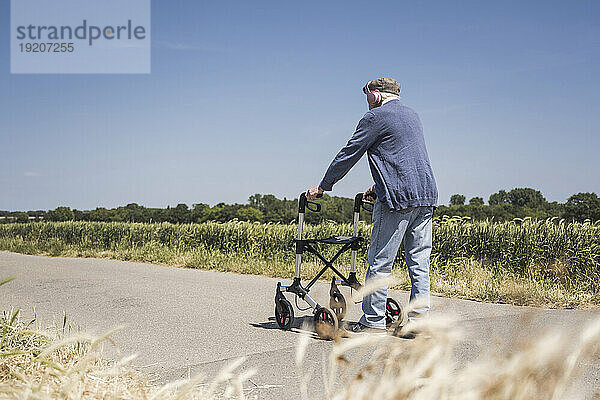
(392, 137)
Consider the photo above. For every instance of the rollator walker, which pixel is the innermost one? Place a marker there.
(326, 319)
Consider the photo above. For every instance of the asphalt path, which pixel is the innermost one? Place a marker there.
(182, 322)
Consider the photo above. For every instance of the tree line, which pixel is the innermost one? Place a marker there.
(503, 205)
(523, 202)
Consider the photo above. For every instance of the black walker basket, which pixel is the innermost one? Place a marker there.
(326, 317)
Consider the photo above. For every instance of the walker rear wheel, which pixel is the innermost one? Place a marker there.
(326, 323)
(284, 314)
(393, 311)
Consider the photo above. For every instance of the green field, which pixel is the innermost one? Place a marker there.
(529, 262)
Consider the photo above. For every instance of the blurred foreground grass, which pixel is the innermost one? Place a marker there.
(36, 364)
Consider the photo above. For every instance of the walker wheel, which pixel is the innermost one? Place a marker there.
(284, 314)
(326, 323)
(337, 303)
(393, 311)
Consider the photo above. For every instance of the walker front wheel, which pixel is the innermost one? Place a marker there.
(284, 314)
(326, 323)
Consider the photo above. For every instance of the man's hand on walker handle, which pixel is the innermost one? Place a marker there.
(370, 195)
(314, 193)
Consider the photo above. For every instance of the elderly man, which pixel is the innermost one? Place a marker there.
(392, 136)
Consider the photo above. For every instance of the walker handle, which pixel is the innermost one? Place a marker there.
(304, 203)
(359, 203)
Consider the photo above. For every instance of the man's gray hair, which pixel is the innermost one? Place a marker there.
(385, 97)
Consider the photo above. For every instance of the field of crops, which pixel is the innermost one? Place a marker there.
(551, 251)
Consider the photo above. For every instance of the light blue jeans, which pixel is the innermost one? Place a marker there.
(390, 228)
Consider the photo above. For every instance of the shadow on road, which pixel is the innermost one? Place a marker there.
(304, 323)
(301, 325)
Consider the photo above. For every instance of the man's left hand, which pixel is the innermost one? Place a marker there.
(370, 194)
(314, 193)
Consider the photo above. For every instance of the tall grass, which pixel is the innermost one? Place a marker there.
(48, 365)
(547, 366)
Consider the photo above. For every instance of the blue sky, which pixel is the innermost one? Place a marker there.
(257, 97)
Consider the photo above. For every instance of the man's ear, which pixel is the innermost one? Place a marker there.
(374, 99)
